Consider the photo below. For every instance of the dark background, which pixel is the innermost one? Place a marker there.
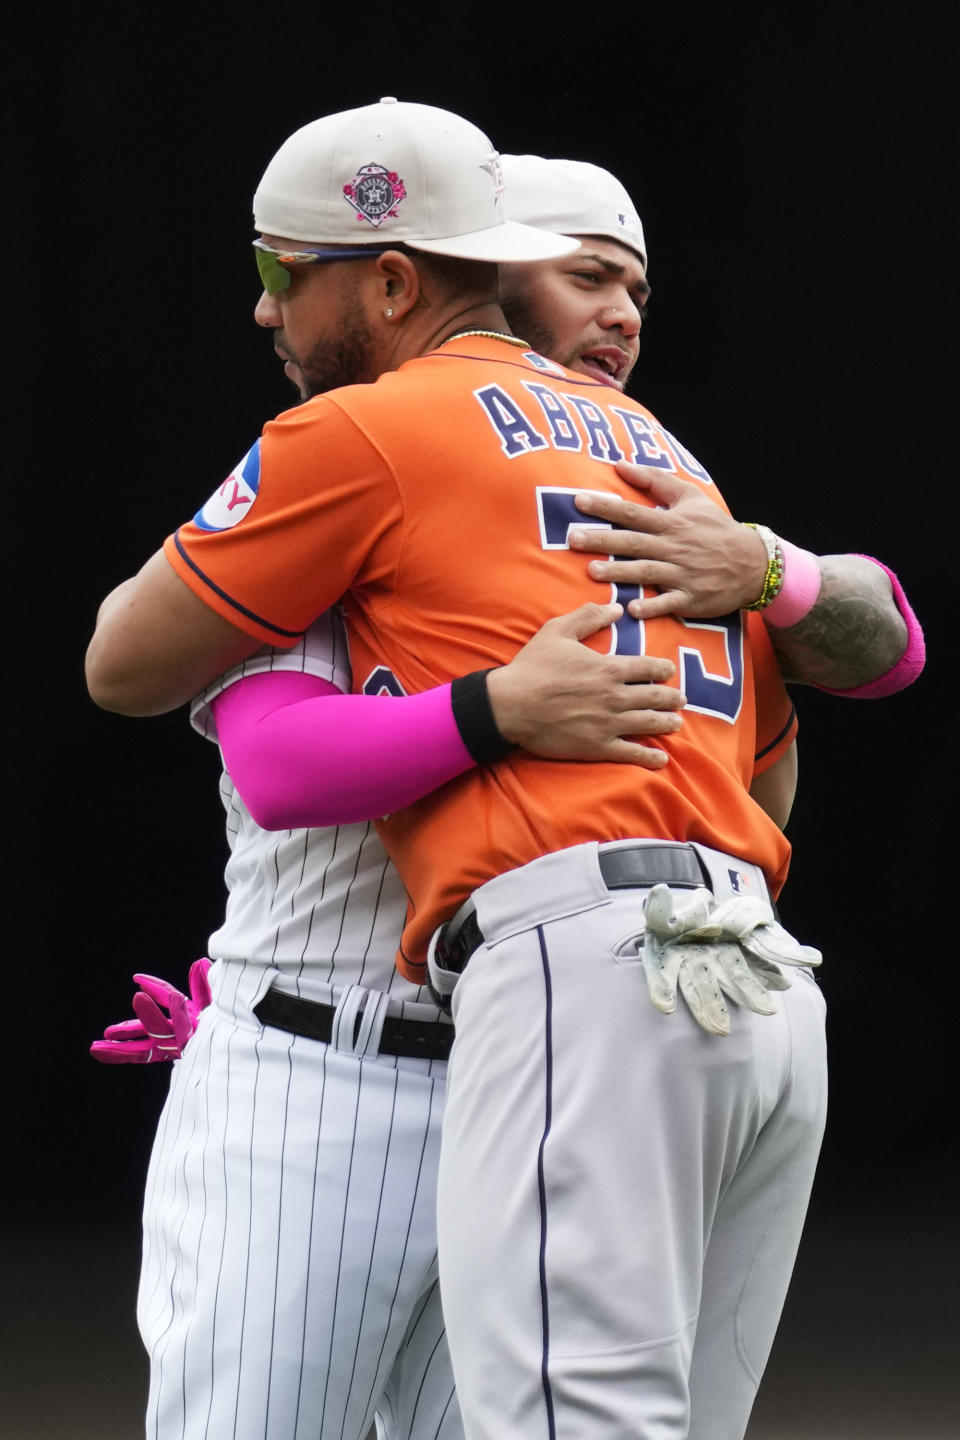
(795, 171)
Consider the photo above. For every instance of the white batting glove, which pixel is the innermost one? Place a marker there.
(710, 950)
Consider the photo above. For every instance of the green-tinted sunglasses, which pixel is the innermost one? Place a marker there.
(275, 265)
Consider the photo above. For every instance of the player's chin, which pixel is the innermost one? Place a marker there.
(297, 379)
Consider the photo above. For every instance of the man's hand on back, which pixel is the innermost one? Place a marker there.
(560, 699)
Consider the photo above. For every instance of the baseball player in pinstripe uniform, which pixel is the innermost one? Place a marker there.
(276, 1274)
(288, 1282)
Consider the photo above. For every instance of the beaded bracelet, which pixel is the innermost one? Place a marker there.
(773, 580)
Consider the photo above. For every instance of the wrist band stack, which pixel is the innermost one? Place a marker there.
(773, 580)
(799, 590)
(791, 584)
(790, 590)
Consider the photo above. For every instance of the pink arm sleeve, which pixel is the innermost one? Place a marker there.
(301, 753)
(911, 662)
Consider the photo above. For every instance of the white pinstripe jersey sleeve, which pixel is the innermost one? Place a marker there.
(324, 905)
(321, 650)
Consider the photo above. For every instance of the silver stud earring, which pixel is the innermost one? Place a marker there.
(390, 312)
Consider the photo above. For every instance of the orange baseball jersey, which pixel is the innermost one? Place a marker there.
(437, 502)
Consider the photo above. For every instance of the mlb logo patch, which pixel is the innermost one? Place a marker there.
(540, 362)
(739, 883)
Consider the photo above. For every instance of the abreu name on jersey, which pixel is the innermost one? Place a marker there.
(569, 422)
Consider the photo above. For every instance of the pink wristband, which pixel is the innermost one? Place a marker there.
(911, 662)
(800, 588)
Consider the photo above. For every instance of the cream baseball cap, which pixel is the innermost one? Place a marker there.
(572, 197)
(396, 173)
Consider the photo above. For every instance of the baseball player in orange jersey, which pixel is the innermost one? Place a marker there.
(289, 1273)
(268, 1303)
(569, 418)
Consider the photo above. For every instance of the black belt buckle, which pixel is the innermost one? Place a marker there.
(414, 1039)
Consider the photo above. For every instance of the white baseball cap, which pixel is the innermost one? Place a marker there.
(572, 197)
(396, 173)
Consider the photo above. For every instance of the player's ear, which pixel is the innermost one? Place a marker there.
(398, 284)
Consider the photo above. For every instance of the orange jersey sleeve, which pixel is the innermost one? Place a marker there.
(776, 712)
(438, 501)
(286, 534)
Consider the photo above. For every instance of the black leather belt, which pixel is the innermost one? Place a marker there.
(423, 1039)
(626, 869)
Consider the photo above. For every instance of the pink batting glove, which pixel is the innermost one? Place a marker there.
(184, 1010)
(143, 1041)
(154, 1036)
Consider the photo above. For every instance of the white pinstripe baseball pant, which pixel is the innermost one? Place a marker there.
(289, 1287)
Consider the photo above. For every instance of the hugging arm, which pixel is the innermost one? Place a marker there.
(857, 634)
(303, 754)
(156, 644)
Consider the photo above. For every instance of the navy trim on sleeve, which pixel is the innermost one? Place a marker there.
(250, 614)
(777, 738)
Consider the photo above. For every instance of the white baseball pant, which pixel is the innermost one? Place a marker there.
(289, 1287)
(621, 1194)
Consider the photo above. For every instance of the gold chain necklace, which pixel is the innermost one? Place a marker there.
(488, 335)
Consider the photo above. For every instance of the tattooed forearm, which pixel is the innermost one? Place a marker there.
(853, 634)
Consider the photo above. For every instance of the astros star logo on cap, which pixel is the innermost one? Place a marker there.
(375, 192)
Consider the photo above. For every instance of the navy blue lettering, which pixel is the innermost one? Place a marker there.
(564, 435)
(517, 435)
(643, 438)
(557, 513)
(708, 693)
(720, 695)
(382, 681)
(600, 439)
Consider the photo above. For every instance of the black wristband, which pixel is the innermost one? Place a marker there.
(473, 714)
